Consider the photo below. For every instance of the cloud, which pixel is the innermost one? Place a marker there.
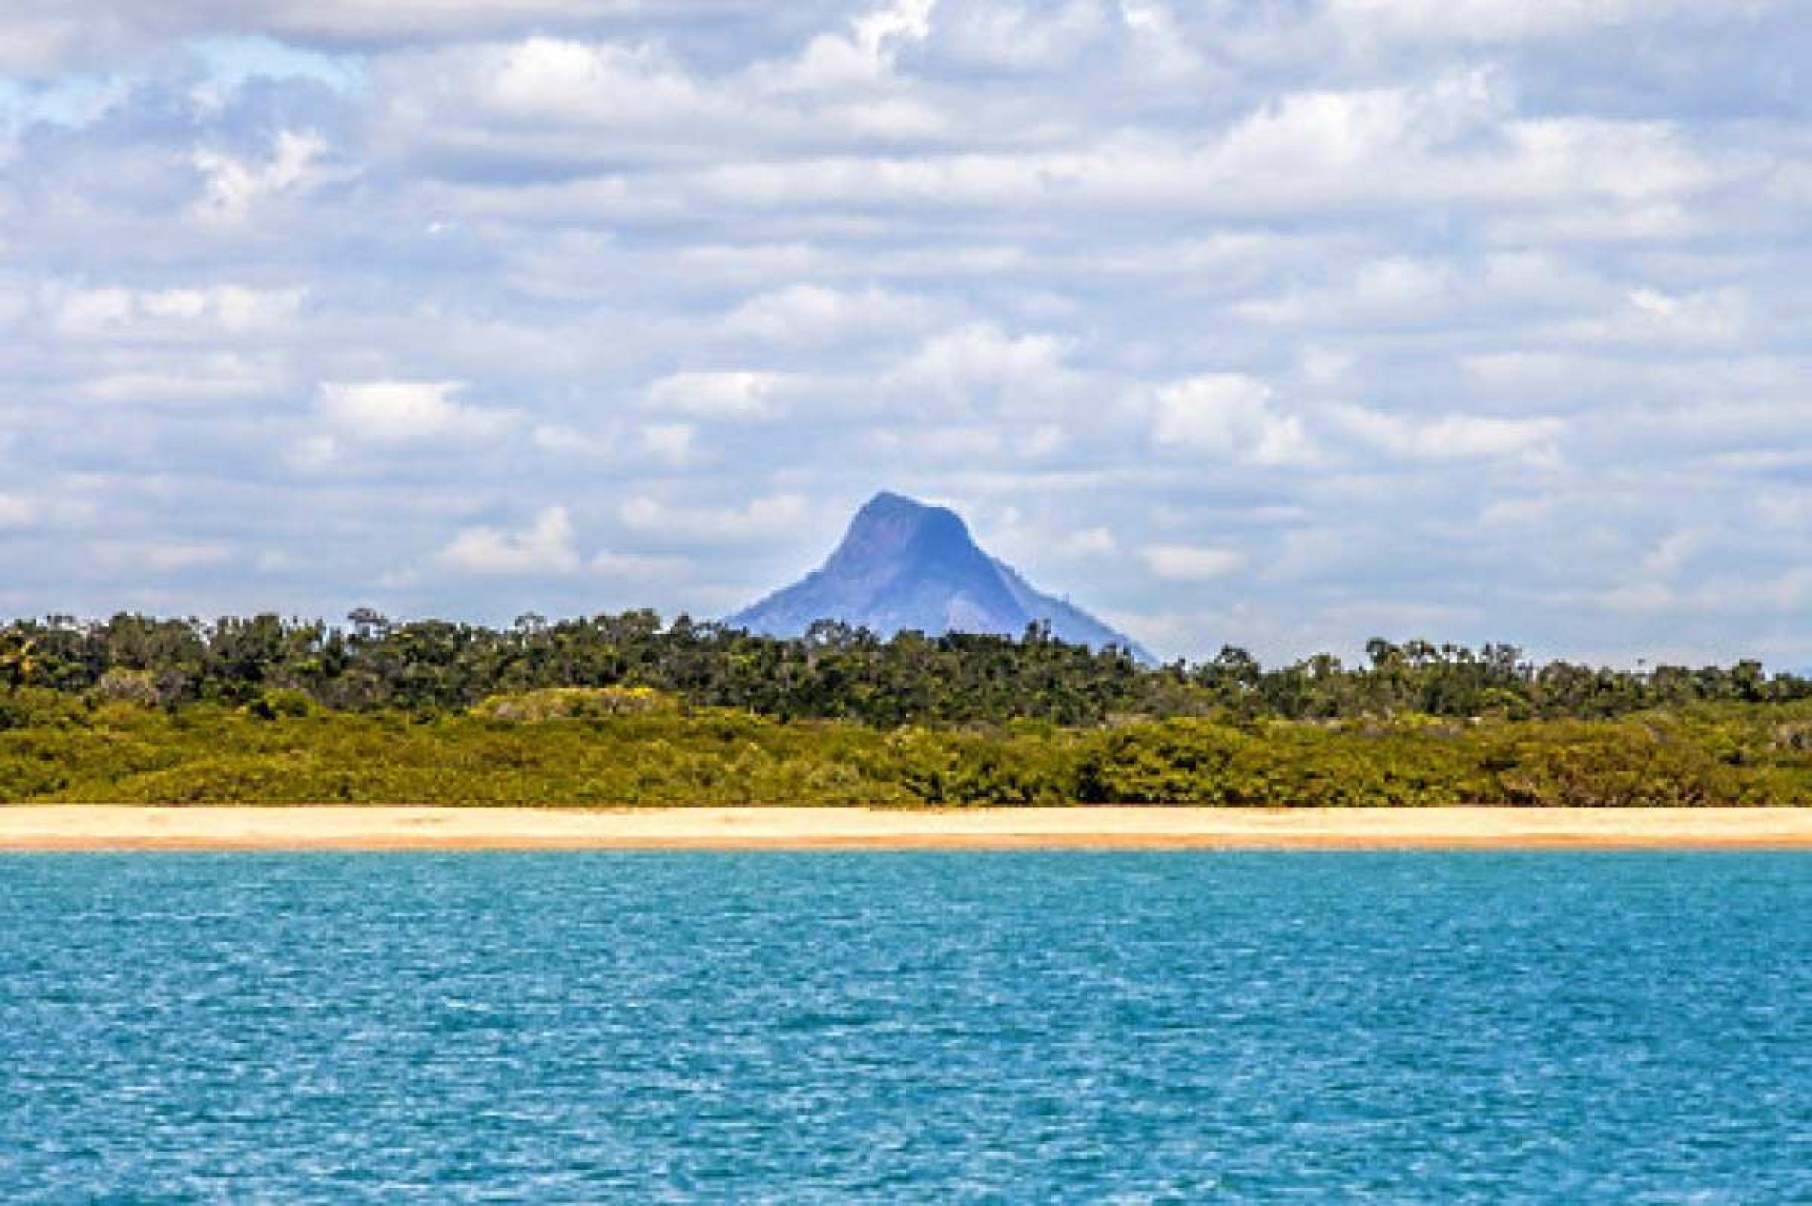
(233, 187)
(405, 412)
(1389, 291)
(1444, 141)
(863, 54)
(173, 313)
(1089, 542)
(159, 557)
(1013, 38)
(978, 364)
(355, 22)
(47, 36)
(813, 315)
(211, 378)
(762, 518)
(545, 547)
(563, 439)
(1652, 317)
(1161, 45)
(674, 444)
(741, 396)
(228, 308)
(1452, 437)
(1671, 553)
(93, 310)
(544, 79)
(1188, 563)
(1395, 293)
(567, 104)
(963, 442)
(1229, 415)
(17, 511)
(640, 567)
(1489, 21)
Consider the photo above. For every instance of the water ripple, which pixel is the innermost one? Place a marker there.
(892, 1027)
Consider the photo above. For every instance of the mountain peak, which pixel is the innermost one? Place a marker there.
(886, 503)
(907, 565)
(893, 528)
(890, 514)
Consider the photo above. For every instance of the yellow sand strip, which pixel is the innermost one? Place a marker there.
(325, 827)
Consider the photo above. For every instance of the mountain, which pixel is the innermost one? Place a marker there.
(904, 565)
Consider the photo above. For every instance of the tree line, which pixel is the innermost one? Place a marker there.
(835, 672)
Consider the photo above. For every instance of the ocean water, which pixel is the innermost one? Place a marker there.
(890, 1027)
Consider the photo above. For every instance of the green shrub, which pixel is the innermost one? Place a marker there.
(280, 704)
(626, 747)
(575, 703)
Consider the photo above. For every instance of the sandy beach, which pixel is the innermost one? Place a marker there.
(109, 827)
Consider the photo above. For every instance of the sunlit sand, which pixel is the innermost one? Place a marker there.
(112, 827)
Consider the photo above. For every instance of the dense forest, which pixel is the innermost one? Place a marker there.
(629, 709)
(834, 673)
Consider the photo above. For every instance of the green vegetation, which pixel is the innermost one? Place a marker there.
(622, 709)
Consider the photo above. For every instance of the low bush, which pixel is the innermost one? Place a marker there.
(625, 747)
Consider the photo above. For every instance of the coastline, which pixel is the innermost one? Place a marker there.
(78, 827)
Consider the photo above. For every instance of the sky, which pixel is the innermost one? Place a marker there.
(1277, 323)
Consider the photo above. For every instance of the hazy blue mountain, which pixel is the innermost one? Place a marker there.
(903, 565)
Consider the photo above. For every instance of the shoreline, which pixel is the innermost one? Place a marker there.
(81, 827)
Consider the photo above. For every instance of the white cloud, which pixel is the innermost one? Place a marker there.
(214, 310)
(211, 378)
(1518, 512)
(983, 249)
(312, 453)
(566, 440)
(813, 315)
(1487, 21)
(17, 511)
(566, 100)
(1397, 289)
(1088, 542)
(92, 310)
(1671, 553)
(545, 547)
(1638, 597)
(405, 412)
(1160, 44)
(920, 441)
(862, 55)
(1230, 415)
(234, 186)
(674, 444)
(1453, 140)
(159, 556)
(979, 363)
(982, 354)
(1325, 366)
(1651, 317)
(1452, 437)
(1189, 563)
(339, 21)
(42, 36)
(724, 396)
(640, 567)
(1788, 510)
(565, 80)
(229, 308)
(765, 518)
(1009, 37)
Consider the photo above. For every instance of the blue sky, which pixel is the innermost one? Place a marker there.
(1280, 323)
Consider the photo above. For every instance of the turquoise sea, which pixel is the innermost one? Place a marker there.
(890, 1027)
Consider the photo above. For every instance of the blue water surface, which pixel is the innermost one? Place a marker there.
(1037, 1027)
